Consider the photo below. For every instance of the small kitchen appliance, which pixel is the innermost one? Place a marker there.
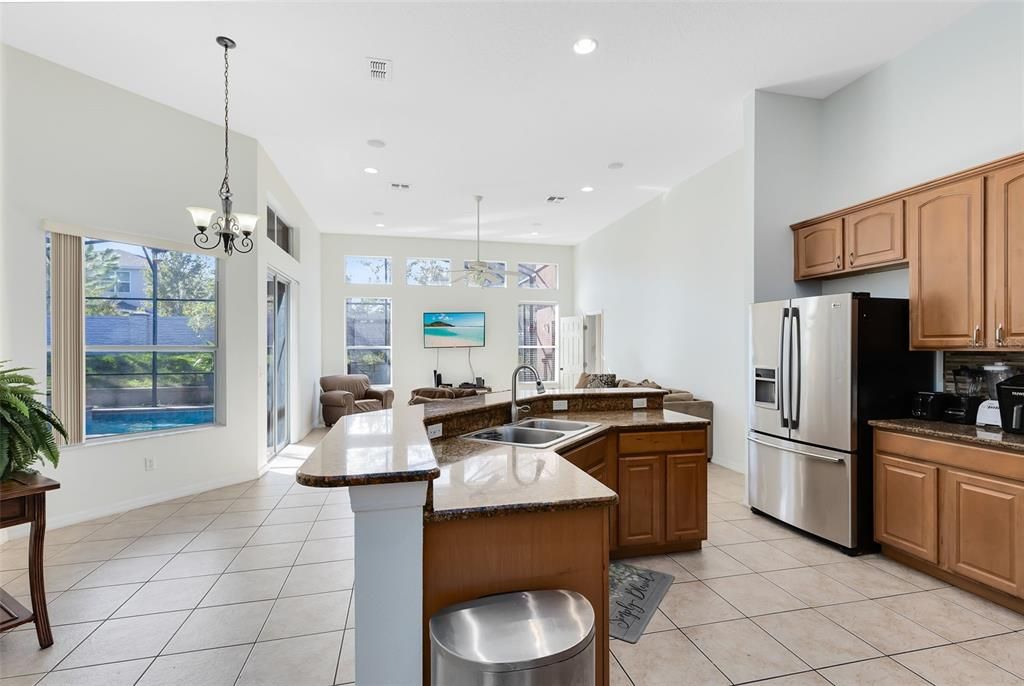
(988, 411)
(931, 405)
(964, 408)
(1011, 404)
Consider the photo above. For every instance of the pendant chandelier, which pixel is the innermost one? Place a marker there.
(232, 231)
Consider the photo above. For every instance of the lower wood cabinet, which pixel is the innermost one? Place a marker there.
(984, 530)
(686, 502)
(641, 500)
(933, 502)
(907, 506)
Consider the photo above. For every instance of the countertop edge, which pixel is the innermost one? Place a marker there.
(938, 431)
(367, 479)
(487, 511)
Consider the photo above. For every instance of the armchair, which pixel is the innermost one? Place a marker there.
(344, 394)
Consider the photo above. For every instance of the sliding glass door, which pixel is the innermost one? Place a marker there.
(277, 363)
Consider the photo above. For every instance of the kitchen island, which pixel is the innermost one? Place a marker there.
(445, 520)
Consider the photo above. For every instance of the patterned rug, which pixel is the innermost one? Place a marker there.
(634, 597)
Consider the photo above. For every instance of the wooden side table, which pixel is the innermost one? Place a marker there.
(23, 501)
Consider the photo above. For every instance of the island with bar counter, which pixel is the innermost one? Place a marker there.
(441, 518)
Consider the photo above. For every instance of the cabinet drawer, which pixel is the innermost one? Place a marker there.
(648, 442)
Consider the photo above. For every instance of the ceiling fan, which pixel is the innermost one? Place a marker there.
(479, 272)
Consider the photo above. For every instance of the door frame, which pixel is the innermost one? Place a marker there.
(275, 444)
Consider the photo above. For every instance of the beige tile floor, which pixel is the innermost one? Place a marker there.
(252, 584)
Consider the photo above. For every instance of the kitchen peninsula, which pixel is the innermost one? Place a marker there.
(430, 513)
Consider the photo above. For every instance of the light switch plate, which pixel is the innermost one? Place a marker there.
(434, 431)
(639, 403)
(560, 405)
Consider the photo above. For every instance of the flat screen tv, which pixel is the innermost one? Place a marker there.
(453, 329)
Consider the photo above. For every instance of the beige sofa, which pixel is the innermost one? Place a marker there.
(345, 394)
(677, 399)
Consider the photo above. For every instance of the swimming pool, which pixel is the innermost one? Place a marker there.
(137, 419)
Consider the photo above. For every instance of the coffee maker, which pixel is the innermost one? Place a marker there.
(1011, 404)
(963, 407)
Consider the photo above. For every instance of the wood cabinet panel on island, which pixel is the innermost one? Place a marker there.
(953, 510)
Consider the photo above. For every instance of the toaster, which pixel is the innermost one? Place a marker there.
(1011, 403)
(931, 405)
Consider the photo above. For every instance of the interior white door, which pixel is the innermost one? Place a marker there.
(570, 343)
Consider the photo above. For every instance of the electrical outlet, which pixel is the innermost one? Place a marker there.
(639, 403)
(149, 463)
(434, 431)
(560, 405)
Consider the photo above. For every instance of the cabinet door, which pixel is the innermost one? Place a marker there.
(641, 500)
(874, 236)
(945, 241)
(907, 506)
(819, 249)
(984, 522)
(1005, 265)
(686, 481)
(590, 455)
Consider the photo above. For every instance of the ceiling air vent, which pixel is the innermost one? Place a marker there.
(556, 199)
(399, 186)
(380, 69)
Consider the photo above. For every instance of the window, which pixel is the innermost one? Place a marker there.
(124, 281)
(368, 338)
(427, 271)
(496, 268)
(150, 352)
(278, 231)
(536, 275)
(538, 329)
(367, 270)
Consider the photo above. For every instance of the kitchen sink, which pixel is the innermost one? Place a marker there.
(534, 433)
(555, 424)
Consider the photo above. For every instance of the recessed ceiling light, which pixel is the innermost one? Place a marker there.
(379, 226)
(587, 189)
(616, 165)
(584, 46)
(376, 143)
(535, 233)
(370, 170)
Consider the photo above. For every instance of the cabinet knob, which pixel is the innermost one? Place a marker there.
(839, 261)
(1000, 339)
(976, 341)
(851, 258)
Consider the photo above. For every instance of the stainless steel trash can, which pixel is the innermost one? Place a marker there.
(528, 638)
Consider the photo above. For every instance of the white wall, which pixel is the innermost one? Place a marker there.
(673, 279)
(82, 152)
(412, 365)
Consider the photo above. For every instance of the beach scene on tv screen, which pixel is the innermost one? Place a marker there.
(453, 329)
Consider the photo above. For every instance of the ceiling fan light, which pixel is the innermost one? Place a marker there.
(201, 216)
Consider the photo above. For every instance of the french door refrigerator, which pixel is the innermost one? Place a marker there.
(821, 367)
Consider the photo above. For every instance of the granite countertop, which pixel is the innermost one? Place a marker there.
(471, 478)
(989, 437)
(453, 408)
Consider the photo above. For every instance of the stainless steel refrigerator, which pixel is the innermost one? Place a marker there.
(821, 367)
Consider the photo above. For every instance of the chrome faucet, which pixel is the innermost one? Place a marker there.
(516, 407)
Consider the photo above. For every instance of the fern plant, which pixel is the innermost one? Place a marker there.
(27, 426)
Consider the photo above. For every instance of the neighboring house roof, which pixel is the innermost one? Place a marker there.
(129, 260)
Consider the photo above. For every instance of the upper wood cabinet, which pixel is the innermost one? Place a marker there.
(1004, 232)
(907, 506)
(984, 530)
(874, 236)
(945, 242)
(819, 249)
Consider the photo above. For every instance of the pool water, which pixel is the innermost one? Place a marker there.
(135, 420)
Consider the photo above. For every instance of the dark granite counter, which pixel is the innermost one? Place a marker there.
(988, 437)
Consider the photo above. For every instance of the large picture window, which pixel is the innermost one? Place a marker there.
(368, 338)
(150, 338)
(538, 343)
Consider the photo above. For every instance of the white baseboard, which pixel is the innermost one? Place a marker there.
(134, 503)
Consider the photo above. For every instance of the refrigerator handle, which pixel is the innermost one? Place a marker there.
(794, 395)
(783, 367)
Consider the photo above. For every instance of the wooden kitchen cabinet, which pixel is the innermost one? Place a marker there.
(686, 502)
(874, 236)
(984, 530)
(641, 500)
(907, 506)
(1005, 257)
(591, 457)
(945, 245)
(819, 249)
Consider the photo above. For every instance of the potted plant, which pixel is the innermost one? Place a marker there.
(27, 426)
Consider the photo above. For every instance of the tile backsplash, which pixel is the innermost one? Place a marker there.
(955, 360)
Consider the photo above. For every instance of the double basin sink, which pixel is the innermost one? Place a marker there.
(533, 433)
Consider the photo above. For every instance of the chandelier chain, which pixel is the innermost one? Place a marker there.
(225, 189)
